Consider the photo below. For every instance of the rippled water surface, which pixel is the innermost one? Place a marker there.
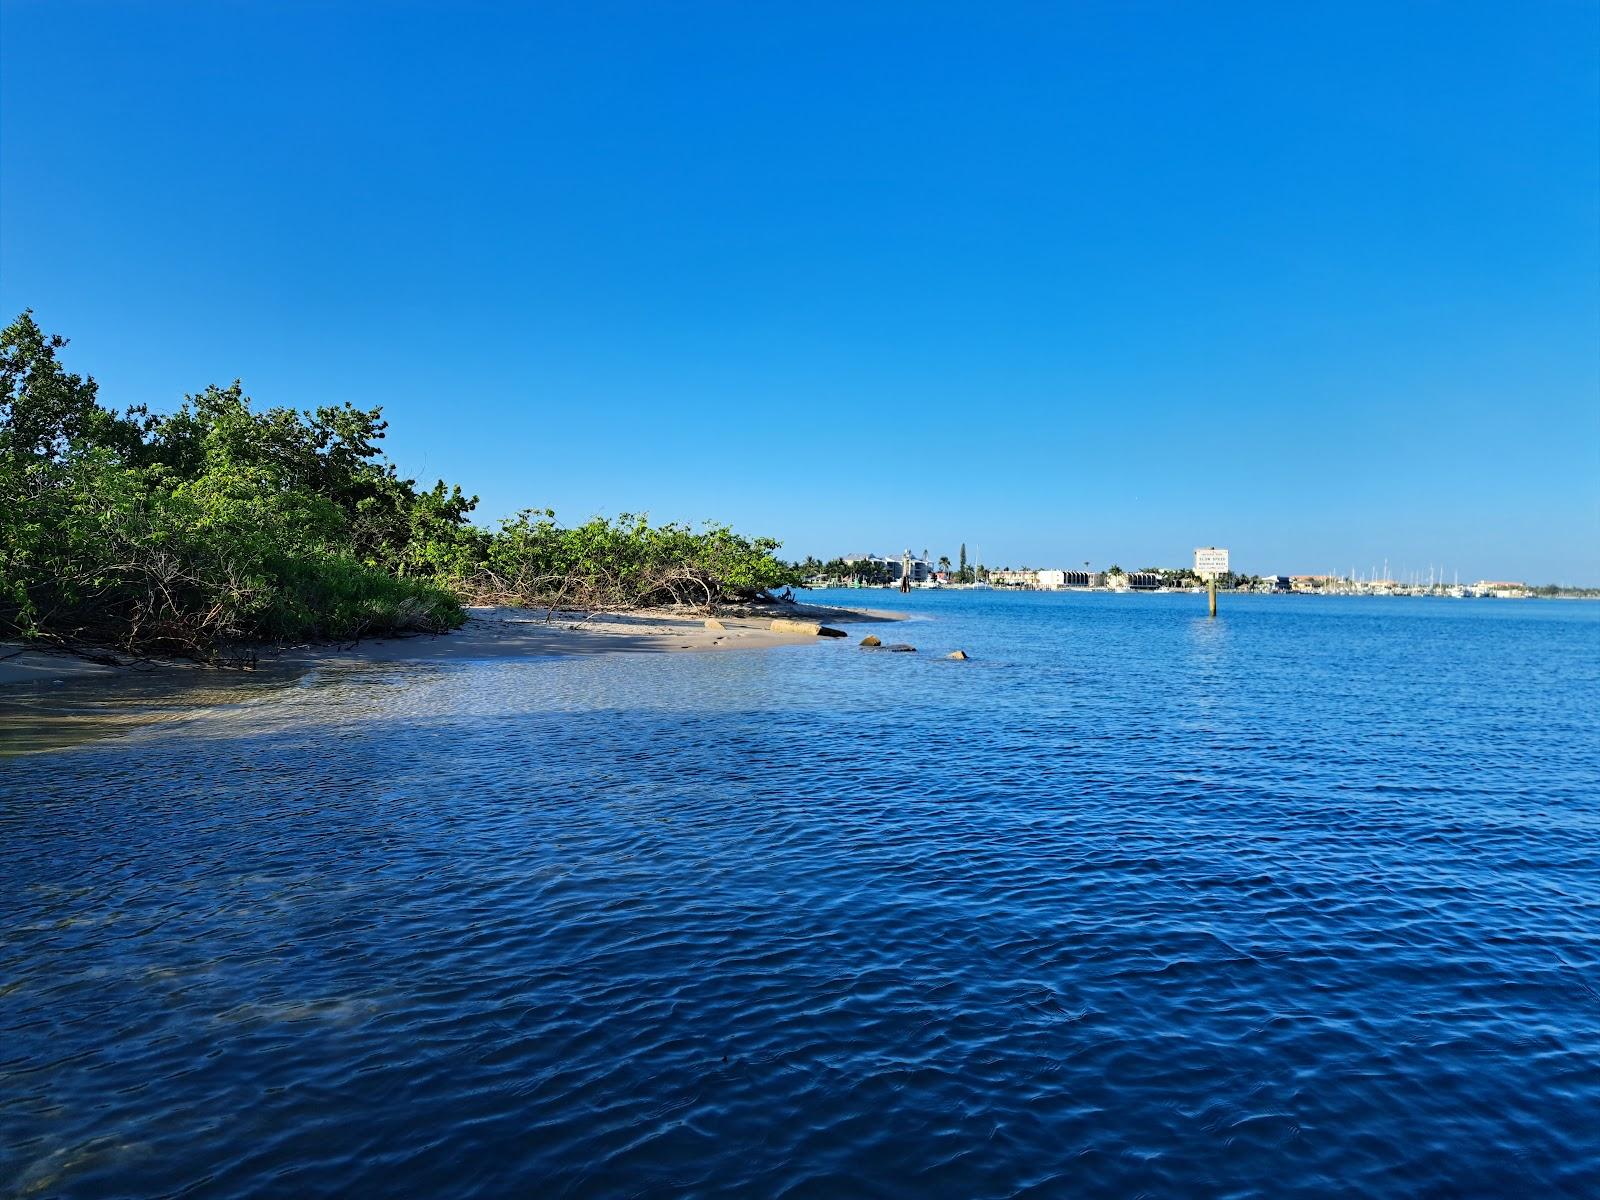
(1301, 901)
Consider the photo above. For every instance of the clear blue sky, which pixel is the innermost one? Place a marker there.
(1096, 281)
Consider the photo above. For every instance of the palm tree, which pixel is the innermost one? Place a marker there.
(944, 563)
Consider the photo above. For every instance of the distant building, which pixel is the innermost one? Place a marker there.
(921, 568)
(1010, 578)
(1210, 561)
(1311, 583)
(1275, 583)
(1501, 589)
(1144, 581)
(1046, 579)
(1054, 581)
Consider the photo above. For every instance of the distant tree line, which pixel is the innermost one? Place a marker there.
(221, 523)
(867, 572)
(1565, 592)
(864, 571)
(873, 573)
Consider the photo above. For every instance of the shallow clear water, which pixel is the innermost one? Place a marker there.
(1299, 901)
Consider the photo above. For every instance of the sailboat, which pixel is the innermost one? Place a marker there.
(978, 585)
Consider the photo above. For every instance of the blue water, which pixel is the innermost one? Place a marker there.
(1302, 901)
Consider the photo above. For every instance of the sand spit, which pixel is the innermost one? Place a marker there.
(499, 633)
(521, 632)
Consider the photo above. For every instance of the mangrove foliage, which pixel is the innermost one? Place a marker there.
(221, 524)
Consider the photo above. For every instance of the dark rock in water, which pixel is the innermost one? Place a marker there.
(958, 655)
(829, 631)
(871, 643)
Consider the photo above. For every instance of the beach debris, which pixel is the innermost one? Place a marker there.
(812, 628)
(718, 626)
(871, 641)
(785, 625)
(958, 655)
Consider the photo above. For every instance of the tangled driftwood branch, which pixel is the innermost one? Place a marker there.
(595, 590)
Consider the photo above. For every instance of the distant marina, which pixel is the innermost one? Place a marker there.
(908, 571)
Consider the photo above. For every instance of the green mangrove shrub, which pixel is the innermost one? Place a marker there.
(219, 524)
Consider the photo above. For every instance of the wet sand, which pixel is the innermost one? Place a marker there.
(51, 701)
(491, 633)
(520, 632)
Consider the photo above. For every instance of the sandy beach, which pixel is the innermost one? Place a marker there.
(522, 632)
(492, 633)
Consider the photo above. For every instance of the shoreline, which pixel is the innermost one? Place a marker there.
(489, 633)
(504, 632)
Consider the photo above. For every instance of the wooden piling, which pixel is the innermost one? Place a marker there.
(1211, 594)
